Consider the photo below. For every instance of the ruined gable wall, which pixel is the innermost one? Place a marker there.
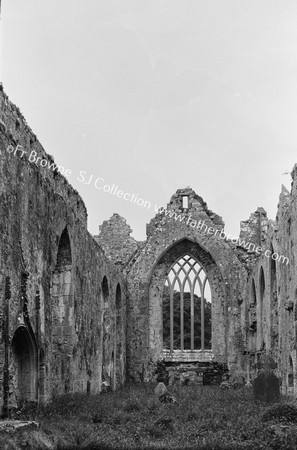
(146, 265)
(66, 322)
(146, 277)
(114, 237)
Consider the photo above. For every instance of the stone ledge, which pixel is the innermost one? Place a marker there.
(187, 356)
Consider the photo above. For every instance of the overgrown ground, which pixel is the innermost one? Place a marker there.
(205, 418)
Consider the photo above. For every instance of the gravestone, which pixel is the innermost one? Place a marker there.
(160, 389)
(266, 384)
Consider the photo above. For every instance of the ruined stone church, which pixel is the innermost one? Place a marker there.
(81, 311)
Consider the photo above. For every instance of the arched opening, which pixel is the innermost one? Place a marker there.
(252, 330)
(24, 358)
(253, 308)
(291, 374)
(187, 296)
(107, 363)
(261, 312)
(64, 257)
(273, 276)
(186, 307)
(62, 300)
(42, 374)
(118, 298)
(273, 301)
(118, 354)
(253, 294)
(105, 289)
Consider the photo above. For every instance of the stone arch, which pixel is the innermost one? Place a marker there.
(118, 297)
(273, 302)
(118, 350)
(105, 289)
(273, 283)
(24, 352)
(63, 309)
(253, 293)
(186, 306)
(107, 345)
(290, 381)
(145, 280)
(261, 305)
(253, 315)
(64, 255)
(290, 373)
(156, 290)
(42, 376)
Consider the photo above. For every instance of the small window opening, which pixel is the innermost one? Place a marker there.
(290, 374)
(185, 202)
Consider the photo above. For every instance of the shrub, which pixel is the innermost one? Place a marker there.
(281, 413)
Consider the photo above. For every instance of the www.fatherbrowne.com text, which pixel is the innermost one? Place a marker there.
(114, 190)
(201, 226)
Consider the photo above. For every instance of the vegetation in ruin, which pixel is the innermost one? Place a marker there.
(205, 417)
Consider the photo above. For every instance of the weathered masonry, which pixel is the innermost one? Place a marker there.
(78, 310)
(63, 304)
(185, 287)
(195, 297)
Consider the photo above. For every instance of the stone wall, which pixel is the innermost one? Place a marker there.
(271, 303)
(169, 238)
(114, 237)
(62, 302)
(77, 310)
(254, 290)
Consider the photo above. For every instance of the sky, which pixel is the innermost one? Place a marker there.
(156, 95)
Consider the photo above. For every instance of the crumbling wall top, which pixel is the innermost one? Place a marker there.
(114, 237)
(185, 202)
(16, 133)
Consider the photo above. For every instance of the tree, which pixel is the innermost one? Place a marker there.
(187, 321)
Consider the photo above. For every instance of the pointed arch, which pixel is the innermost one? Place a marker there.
(185, 274)
(62, 301)
(118, 350)
(24, 353)
(253, 293)
(64, 255)
(105, 289)
(261, 305)
(252, 316)
(107, 344)
(118, 297)
(272, 273)
(185, 306)
(262, 284)
(291, 373)
(273, 304)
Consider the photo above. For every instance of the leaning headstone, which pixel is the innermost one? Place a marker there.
(160, 389)
(266, 384)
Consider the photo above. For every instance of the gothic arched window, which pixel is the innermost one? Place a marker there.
(186, 307)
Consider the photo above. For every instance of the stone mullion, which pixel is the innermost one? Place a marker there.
(171, 317)
(192, 314)
(202, 318)
(182, 320)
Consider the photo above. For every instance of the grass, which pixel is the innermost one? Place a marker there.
(131, 418)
